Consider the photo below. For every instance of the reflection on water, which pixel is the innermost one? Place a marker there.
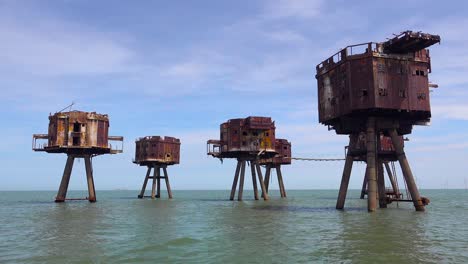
(203, 226)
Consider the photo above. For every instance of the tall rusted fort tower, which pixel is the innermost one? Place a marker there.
(247, 140)
(157, 153)
(79, 135)
(379, 89)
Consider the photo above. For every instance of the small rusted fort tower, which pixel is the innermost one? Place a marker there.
(79, 135)
(247, 140)
(283, 148)
(157, 153)
(377, 89)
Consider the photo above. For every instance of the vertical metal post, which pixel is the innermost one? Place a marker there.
(254, 179)
(371, 169)
(407, 173)
(280, 181)
(241, 183)
(153, 189)
(168, 186)
(62, 192)
(158, 178)
(381, 185)
(262, 183)
(89, 176)
(236, 178)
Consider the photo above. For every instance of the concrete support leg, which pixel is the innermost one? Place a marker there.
(364, 187)
(142, 193)
(153, 188)
(90, 179)
(407, 173)
(254, 179)
(62, 192)
(241, 183)
(381, 185)
(280, 181)
(236, 178)
(267, 177)
(262, 183)
(344, 182)
(158, 178)
(168, 186)
(392, 179)
(371, 170)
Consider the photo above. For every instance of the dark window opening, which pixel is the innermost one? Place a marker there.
(244, 143)
(244, 133)
(76, 141)
(168, 155)
(76, 127)
(255, 134)
(285, 147)
(267, 134)
(363, 92)
(235, 131)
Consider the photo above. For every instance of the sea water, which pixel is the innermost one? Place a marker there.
(205, 227)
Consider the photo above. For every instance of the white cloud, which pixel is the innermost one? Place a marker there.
(55, 47)
(293, 8)
(455, 111)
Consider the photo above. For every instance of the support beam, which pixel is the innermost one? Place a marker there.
(241, 183)
(142, 193)
(381, 185)
(267, 177)
(236, 178)
(90, 180)
(158, 178)
(153, 188)
(407, 173)
(262, 183)
(62, 193)
(391, 177)
(168, 186)
(254, 179)
(371, 169)
(364, 186)
(345, 180)
(280, 181)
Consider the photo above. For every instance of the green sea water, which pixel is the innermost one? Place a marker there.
(205, 227)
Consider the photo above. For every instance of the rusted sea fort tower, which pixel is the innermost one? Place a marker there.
(157, 153)
(283, 148)
(79, 135)
(377, 89)
(247, 140)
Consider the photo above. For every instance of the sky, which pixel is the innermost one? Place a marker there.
(181, 68)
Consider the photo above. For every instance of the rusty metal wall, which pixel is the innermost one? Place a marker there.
(164, 150)
(78, 129)
(352, 85)
(283, 148)
(248, 135)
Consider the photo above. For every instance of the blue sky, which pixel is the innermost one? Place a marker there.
(180, 68)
